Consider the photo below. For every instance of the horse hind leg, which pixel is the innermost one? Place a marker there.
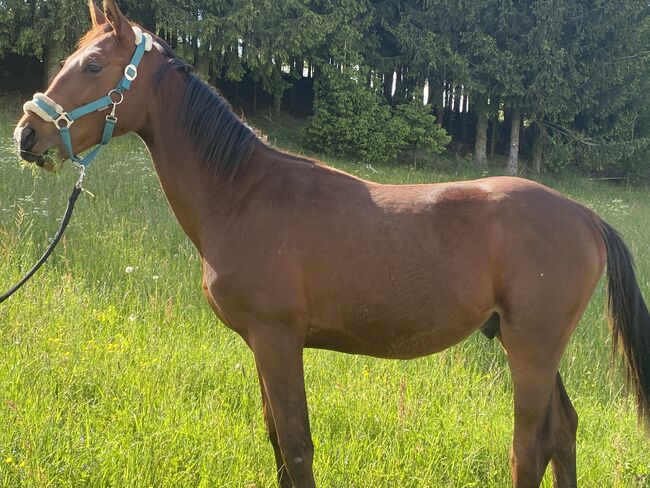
(545, 421)
(564, 426)
(545, 430)
(531, 443)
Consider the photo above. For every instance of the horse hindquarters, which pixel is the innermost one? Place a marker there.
(544, 286)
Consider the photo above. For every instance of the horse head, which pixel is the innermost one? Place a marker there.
(104, 80)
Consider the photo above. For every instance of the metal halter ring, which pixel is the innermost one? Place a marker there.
(119, 100)
(63, 118)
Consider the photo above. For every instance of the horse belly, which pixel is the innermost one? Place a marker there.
(402, 309)
(399, 337)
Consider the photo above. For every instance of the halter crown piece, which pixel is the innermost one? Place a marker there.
(50, 111)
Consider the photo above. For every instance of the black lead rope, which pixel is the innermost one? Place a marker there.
(64, 223)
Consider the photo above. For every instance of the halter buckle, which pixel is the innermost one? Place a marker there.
(65, 119)
(131, 72)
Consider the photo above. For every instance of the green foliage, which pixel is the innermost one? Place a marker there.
(230, 39)
(576, 65)
(423, 132)
(31, 27)
(596, 103)
(351, 120)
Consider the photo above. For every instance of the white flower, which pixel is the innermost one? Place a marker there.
(128, 269)
(132, 318)
(155, 277)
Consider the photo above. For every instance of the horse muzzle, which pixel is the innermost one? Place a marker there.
(30, 145)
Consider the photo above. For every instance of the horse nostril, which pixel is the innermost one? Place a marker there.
(27, 138)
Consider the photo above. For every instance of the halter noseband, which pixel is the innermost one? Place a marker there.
(50, 111)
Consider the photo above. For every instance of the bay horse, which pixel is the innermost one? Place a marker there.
(296, 254)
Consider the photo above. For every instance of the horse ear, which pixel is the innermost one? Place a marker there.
(96, 14)
(120, 23)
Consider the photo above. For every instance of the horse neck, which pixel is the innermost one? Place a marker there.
(201, 200)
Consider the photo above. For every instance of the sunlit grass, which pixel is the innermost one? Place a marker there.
(123, 377)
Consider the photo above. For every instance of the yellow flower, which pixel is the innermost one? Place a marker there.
(22, 464)
(9, 460)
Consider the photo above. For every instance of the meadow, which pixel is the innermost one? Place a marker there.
(114, 372)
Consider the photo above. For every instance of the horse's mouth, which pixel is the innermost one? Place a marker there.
(45, 160)
(38, 159)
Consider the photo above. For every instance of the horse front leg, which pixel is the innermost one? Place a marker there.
(283, 477)
(279, 362)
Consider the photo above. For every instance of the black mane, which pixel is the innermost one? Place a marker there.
(220, 137)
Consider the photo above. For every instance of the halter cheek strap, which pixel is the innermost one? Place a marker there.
(50, 111)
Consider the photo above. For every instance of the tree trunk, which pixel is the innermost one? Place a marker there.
(445, 121)
(494, 108)
(539, 137)
(438, 93)
(480, 143)
(202, 64)
(294, 95)
(450, 111)
(388, 85)
(296, 75)
(277, 102)
(493, 136)
(400, 87)
(456, 113)
(52, 58)
(513, 158)
(465, 117)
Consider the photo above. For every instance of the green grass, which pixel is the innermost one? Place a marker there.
(109, 378)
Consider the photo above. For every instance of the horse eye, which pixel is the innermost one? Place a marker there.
(93, 67)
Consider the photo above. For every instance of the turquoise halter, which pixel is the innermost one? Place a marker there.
(51, 111)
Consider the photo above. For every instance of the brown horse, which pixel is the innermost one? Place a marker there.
(296, 254)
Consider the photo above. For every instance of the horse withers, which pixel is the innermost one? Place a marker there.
(280, 239)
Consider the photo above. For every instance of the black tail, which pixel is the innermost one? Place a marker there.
(628, 317)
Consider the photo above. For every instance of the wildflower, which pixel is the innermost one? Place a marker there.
(128, 269)
(9, 460)
(132, 318)
(155, 277)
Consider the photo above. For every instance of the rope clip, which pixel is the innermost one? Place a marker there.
(82, 175)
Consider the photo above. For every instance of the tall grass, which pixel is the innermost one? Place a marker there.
(114, 372)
